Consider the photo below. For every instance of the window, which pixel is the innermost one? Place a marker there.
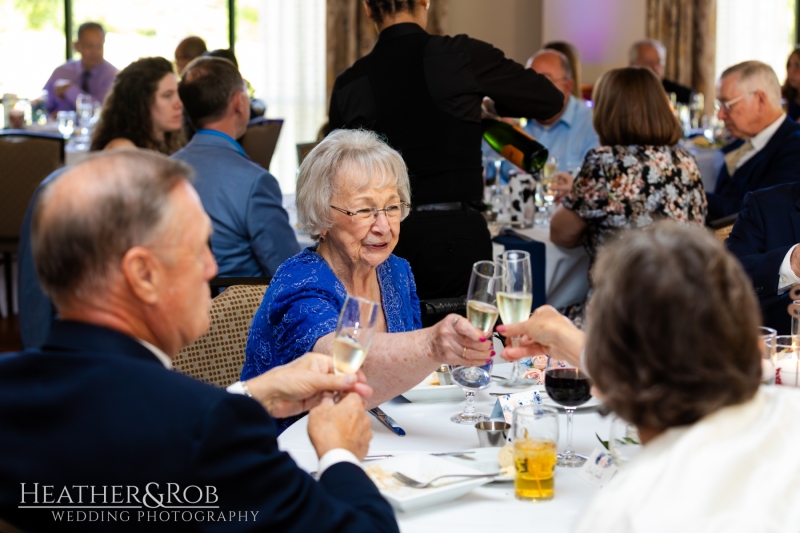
(763, 30)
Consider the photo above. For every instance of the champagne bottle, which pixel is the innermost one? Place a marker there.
(515, 145)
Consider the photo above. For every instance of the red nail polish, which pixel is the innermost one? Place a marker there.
(493, 352)
(483, 339)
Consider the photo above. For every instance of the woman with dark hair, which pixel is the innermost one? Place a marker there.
(791, 87)
(423, 93)
(674, 351)
(638, 175)
(142, 110)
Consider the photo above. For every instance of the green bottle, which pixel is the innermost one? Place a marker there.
(515, 145)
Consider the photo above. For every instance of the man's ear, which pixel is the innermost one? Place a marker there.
(143, 272)
(569, 85)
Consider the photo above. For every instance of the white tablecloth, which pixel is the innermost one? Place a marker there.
(566, 269)
(488, 508)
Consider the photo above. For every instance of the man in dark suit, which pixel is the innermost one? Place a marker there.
(650, 53)
(765, 238)
(252, 235)
(767, 151)
(98, 434)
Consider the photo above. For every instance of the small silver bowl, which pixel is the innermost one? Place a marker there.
(492, 434)
(444, 375)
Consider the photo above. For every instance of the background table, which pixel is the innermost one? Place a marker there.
(488, 508)
(566, 269)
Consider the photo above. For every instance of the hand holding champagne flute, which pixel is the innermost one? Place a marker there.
(514, 303)
(482, 312)
(354, 334)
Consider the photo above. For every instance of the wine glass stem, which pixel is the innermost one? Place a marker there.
(469, 407)
(516, 367)
(569, 451)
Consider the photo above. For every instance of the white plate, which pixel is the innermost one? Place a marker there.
(425, 392)
(421, 467)
(483, 459)
(591, 404)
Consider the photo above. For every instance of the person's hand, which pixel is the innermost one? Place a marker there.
(794, 261)
(340, 425)
(61, 87)
(562, 184)
(488, 110)
(546, 332)
(455, 341)
(296, 387)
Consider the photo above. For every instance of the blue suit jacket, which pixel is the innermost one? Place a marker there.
(767, 226)
(252, 235)
(36, 311)
(778, 162)
(94, 407)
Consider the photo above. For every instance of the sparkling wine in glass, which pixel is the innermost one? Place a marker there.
(514, 302)
(568, 387)
(354, 334)
(482, 312)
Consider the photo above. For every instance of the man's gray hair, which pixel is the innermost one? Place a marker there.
(361, 155)
(565, 65)
(755, 76)
(88, 218)
(633, 53)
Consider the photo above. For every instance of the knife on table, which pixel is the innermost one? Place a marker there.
(387, 421)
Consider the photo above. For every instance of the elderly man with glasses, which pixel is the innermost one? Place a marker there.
(767, 149)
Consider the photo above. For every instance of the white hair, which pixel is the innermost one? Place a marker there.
(756, 76)
(364, 156)
(565, 65)
(633, 53)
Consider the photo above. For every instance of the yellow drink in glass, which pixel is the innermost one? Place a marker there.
(535, 461)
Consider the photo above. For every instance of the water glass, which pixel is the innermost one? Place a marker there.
(66, 123)
(787, 360)
(534, 433)
(767, 344)
(624, 443)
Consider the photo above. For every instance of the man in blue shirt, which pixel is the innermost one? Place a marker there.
(569, 135)
(252, 235)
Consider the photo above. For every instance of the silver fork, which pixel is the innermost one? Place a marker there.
(414, 484)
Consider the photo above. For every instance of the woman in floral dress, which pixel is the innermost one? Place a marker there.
(638, 175)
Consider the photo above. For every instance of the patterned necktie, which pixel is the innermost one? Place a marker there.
(85, 81)
(733, 157)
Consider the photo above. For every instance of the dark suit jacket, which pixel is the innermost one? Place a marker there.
(683, 93)
(767, 227)
(95, 407)
(778, 162)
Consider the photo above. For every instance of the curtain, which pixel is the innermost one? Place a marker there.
(688, 30)
(351, 34)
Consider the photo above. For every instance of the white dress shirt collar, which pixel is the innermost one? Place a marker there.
(762, 138)
(160, 355)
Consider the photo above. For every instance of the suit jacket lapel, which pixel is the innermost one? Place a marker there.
(796, 213)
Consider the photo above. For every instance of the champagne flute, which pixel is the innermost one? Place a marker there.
(514, 302)
(548, 195)
(354, 334)
(568, 387)
(482, 312)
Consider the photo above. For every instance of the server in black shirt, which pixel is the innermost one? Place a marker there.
(424, 93)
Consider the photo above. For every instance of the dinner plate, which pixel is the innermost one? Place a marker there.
(483, 459)
(421, 467)
(427, 392)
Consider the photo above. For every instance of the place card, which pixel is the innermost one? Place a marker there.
(599, 468)
(505, 405)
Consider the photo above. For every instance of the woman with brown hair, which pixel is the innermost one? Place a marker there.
(142, 110)
(674, 351)
(638, 175)
(791, 87)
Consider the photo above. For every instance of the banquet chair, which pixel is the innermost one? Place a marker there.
(217, 357)
(260, 139)
(722, 226)
(436, 309)
(26, 158)
(537, 251)
(303, 149)
(219, 284)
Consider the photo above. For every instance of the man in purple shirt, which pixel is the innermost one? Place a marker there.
(90, 75)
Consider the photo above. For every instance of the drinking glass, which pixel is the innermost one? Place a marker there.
(534, 432)
(548, 195)
(66, 123)
(486, 281)
(767, 345)
(787, 360)
(514, 300)
(624, 443)
(568, 387)
(354, 334)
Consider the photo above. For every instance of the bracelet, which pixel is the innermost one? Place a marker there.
(246, 389)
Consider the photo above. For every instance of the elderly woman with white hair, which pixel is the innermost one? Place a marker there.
(352, 193)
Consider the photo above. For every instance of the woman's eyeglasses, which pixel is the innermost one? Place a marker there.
(393, 212)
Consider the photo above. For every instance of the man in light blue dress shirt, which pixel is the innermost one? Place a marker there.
(569, 135)
(252, 235)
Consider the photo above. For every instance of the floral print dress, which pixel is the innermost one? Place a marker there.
(632, 187)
